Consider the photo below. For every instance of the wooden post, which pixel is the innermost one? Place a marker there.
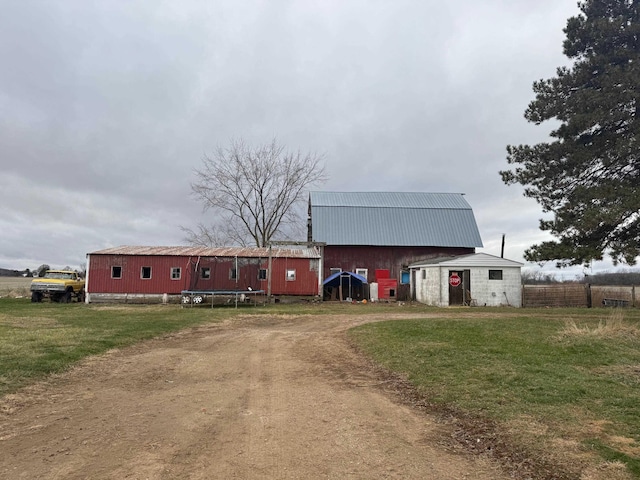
(269, 275)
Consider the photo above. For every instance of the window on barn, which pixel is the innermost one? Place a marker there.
(116, 272)
(233, 274)
(363, 272)
(205, 272)
(334, 270)
(495, 274)
(262, 274)
(175, 273)
(145, 272)
(291, 275)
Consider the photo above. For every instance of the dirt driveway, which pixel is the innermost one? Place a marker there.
(272, 398)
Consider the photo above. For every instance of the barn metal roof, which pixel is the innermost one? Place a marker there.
(243, 252)
(393, 219)
(418, 200)
(473, 260)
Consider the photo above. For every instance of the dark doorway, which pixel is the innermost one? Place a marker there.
(413, 284)
(459, 287)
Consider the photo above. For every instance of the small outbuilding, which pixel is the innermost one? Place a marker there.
(478, 279)
(143, 273)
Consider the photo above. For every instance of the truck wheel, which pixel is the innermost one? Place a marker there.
(66, 297)
(36, 297)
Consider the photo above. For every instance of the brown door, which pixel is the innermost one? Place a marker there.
(456, 287)
(459, 287)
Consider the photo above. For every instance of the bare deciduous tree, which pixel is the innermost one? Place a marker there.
(256, 192)
(223, 232)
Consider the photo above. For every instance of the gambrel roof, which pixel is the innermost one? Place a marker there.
(393, 219)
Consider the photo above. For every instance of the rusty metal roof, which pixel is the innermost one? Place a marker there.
(243, 252)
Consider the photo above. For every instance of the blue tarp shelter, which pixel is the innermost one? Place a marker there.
(349, 282)
(334, 279)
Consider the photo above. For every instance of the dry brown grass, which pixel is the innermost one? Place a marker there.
(15, 287)
(614, 326)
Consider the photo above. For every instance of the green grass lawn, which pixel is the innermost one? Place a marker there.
(39, 339)
(548, 377)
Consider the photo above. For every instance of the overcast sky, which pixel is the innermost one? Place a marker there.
(107, 107)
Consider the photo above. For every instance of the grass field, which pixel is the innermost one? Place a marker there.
(15, 286)
(560, 384)
(564, 384)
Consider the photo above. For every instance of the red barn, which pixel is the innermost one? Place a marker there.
(365, 232)
(130, 272)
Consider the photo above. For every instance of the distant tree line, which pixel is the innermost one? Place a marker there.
(38, 272)
(628, 277)
(539, 278)
(4, 272)
(618, 278)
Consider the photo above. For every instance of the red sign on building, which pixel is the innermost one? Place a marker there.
(454, 279)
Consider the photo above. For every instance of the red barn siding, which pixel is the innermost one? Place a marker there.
(220, 273)
(306, 282)
(348, 258)
(100, 281)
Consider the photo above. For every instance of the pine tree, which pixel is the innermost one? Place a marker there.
(588, 176)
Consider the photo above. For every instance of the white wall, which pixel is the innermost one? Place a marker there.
(496, 293)
(428, 290)
(434, 289)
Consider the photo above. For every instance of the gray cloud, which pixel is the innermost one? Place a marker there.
(107, 107)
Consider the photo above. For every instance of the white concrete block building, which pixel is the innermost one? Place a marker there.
(478, 279)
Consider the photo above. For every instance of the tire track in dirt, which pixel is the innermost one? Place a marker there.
(259, 398)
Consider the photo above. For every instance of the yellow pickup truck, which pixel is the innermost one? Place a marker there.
(59, 285)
